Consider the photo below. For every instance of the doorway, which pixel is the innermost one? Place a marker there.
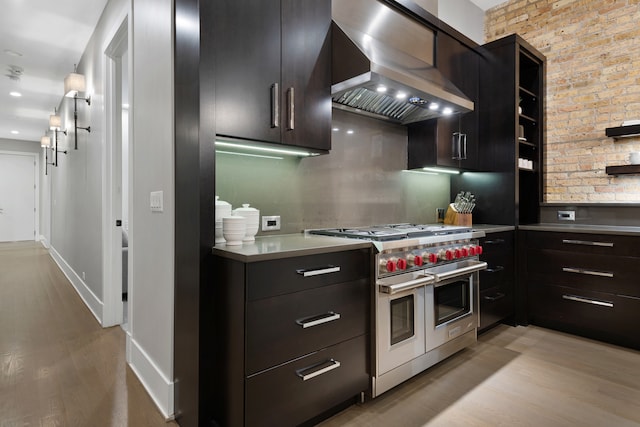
(18, 196)
(117, 227)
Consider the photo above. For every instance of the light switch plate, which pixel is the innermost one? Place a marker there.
(156, 201)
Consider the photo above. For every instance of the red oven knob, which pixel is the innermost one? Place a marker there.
(433, 258)
(448, 255)
(417, 261)
(465, 252)
(391, 266)
(402, 264)
(478, 250)
(457, 253)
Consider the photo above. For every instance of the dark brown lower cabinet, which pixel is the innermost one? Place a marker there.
(286, 341)
(586, 284)
(498, 280)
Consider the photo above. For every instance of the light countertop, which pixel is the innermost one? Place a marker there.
(622, 230)
(287, 245)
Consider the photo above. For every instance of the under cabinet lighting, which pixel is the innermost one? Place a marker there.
(261, 156)
(263, 149)
(441, 170)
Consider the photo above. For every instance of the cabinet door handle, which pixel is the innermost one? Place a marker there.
(318, 271)
(588, 300)
(459, 146)
(493, 242)
(291, 109)
(275, 105)
(497, 269)
(587, 243)
(496, 297)
(588, 272)
(308, 322)
(324, 367)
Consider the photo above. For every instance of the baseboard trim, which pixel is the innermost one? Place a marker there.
(44, 242)
(90, 299)
(159, 387)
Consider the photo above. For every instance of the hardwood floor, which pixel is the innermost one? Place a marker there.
(58, 366)
(523, 376)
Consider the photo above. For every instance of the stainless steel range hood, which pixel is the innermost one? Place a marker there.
(383, 65)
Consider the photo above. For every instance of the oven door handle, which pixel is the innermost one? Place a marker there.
(463, 271)
(406, 286)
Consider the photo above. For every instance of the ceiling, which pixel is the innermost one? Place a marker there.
(44, 39)
(487, 4)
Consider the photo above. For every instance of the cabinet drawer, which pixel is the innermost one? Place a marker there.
(499, 256)
(496, 304)
(601, 273)
(288, 326)
(282, 276)
(281, 397)
(598, 315)
(602, 244)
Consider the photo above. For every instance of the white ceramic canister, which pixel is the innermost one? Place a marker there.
(222, 209)
(234, 229)
(253, 221)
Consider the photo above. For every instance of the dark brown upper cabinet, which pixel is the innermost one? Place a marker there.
(273, 71)
(431, 143)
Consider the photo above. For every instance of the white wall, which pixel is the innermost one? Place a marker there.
(152, 169)
(464, 16)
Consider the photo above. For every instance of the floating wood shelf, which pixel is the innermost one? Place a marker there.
(623, 170)
(623, 131)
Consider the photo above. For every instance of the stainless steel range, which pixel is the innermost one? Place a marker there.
(426, 296)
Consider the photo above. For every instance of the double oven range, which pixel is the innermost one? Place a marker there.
(425, 296)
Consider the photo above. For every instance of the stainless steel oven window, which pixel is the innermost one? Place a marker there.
(402, 319)
(452, 301)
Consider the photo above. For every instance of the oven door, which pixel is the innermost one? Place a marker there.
(400, 320)
(451, 309)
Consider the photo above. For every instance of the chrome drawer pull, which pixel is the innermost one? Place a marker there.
(588, 301)
(497, 269)
(318, 271)
(588, 243)
(496, 297)
(308, 322)
(588, 272)
(334, 364)
(275, 105)
(291, 109)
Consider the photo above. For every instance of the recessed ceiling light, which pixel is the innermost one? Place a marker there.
(15, 94)
(335, 129)
(350, 132)
(12, 52)
(447, 111)
(15, 132)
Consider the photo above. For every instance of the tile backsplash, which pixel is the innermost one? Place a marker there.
(360, 182)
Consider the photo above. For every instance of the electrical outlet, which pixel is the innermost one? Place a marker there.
(271, 223)
(156, 202)
(83, 276)
(567, 215)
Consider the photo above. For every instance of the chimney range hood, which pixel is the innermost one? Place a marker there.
(383, 65)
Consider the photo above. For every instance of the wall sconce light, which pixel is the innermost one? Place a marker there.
(55, 123)
(45, 142)
(75, 83)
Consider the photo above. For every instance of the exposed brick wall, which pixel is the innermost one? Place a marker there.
(593, 82)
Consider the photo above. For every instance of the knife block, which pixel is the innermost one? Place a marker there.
(452, 217)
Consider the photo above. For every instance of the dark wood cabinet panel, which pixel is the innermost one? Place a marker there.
(430, 142)
(255, 348)
(247, 65)
(281, 397)
(511, 123)
(277, 327)
(583, 283)
(287, 275)
(273, 71)
(603, 316)
(497, 282)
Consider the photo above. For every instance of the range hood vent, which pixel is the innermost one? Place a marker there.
(383, 65)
